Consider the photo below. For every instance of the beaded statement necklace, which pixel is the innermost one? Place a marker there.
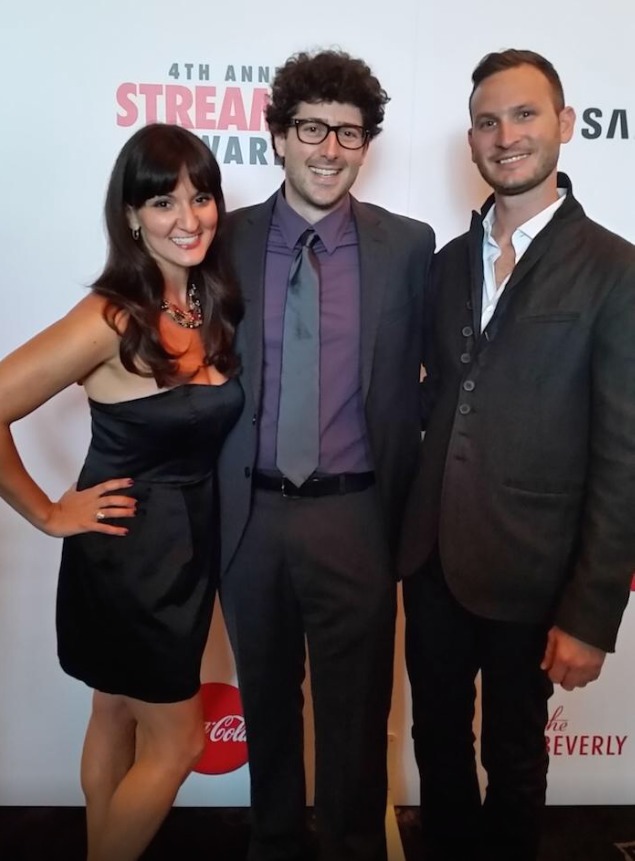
(190, 319)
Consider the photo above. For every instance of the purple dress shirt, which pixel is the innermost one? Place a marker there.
(343, 436)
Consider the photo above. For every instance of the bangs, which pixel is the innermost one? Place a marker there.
(163, 152)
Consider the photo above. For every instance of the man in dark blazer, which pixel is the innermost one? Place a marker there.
(519, 537)
(314, 558)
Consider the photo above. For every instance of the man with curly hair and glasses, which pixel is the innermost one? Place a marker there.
(315, 475)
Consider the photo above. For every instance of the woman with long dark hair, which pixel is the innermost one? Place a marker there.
(152, 346)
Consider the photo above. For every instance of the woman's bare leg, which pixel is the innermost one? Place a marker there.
(108, 755)
(169, 741)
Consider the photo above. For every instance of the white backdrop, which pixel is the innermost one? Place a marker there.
(79, 79)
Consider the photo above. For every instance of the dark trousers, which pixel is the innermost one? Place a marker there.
(320, 569)
(446, 646)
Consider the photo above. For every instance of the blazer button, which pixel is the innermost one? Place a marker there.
(466, 331)
(465, 409)
(468, 305)
(247, 472)
(469, 385)
(254, 418)
(465, 358)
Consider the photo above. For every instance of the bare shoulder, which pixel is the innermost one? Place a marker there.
(63, 353)
(94, 315)
(84, 329)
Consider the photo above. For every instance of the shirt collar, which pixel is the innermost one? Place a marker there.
(329, 229)
(530, 228)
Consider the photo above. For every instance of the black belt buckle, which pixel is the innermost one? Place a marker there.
(289, 489)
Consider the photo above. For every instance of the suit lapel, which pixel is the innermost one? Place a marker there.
(374, 271)
(538, 247)
(476, 271)
(569, 210)
(250, 249)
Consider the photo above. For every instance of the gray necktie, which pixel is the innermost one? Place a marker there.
(298, 441)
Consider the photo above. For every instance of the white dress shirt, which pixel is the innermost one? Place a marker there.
(521, 240)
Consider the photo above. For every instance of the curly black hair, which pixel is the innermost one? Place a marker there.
(326, 76)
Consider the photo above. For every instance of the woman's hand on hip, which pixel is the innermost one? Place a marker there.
(90, 510)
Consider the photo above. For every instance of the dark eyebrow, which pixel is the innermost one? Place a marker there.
(320, 120)
(490, 115)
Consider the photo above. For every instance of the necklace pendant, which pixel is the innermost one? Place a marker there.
(190, 319)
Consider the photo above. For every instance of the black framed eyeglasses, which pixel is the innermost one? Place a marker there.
(316, 131)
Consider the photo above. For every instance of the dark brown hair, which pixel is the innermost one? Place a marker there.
(512, 59)
(327, 76)
(150, 164)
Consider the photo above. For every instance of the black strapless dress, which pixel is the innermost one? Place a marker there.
(133, 612)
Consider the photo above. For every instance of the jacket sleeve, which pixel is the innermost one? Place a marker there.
(594, 599)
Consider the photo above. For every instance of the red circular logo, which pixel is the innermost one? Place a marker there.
(225, 738)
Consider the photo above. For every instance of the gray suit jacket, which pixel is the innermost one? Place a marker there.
(527, 477)
(395, 255)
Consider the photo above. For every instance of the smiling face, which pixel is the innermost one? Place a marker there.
(318, 176)
(177, 228)
(517, 131)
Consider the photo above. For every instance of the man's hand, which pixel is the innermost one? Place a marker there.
(570, 662)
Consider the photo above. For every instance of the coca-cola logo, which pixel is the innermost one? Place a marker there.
(225, 737)
(633, 584)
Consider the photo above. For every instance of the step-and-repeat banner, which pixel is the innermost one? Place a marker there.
(79, 79)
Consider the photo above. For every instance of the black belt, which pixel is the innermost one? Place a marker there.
(321, 485)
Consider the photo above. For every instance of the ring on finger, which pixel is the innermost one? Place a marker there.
(100, 516)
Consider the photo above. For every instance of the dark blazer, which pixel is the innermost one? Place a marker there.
(395, 254)
(527, 476)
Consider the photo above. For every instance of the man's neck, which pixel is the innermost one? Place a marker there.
(311, 213)
(514, 210)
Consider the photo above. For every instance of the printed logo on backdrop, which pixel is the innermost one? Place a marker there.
(225, 738)
(224, 106)
(607, 123)
(564, 739)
